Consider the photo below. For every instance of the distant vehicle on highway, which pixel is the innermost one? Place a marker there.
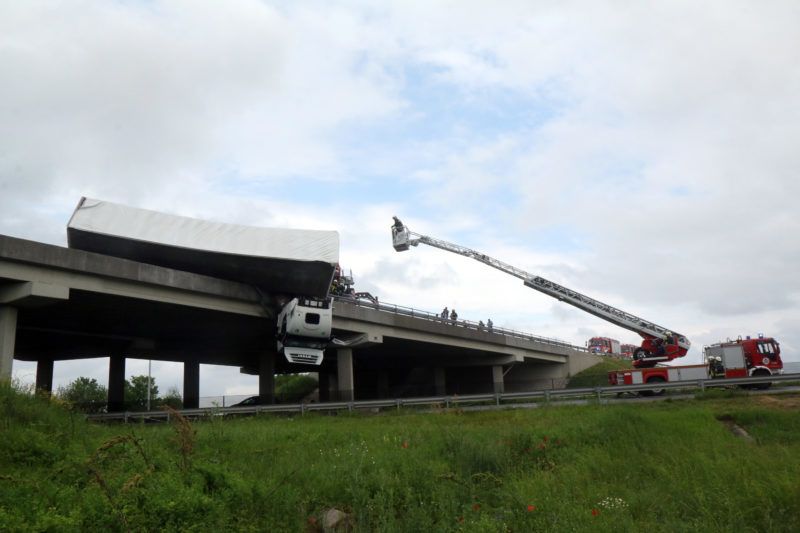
(252, 400)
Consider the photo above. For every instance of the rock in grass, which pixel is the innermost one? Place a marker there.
(335, 520)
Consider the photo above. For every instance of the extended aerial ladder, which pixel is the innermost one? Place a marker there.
(659, 344)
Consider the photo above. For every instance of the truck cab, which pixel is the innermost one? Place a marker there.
(744, 358)
(304, 330)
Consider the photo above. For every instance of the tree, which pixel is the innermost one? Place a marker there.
(136, 392)
(85, 394)
(172, 399)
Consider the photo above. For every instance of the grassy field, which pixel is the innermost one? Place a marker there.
(597, 376)
(668, 466)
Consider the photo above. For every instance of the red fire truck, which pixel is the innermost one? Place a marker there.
(603, 345)
(626, 350)
(740, 358)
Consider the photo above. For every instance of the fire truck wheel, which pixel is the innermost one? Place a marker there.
(761, 374)
(654, 392)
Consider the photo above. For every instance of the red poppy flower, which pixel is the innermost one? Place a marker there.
(476, 506)
(531, 508)
(405, 444)
(595, 512)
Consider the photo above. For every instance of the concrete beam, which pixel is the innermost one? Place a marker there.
(191, 384)
(32, 293)
(130, 288)
(344, 365)
(378, 331)
(44, 375)
(8, 337)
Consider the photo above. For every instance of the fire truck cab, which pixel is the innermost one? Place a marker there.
(603, 345)
(744, 358)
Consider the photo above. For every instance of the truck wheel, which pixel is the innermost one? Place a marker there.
(654, 392)
(761, 374)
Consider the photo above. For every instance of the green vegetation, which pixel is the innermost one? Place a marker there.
(597, 376)
(87, 395)
(668, 466)
(292, 388)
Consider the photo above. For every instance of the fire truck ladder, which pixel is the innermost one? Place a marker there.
(403, 238)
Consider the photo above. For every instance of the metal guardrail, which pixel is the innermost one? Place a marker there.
(468, 324)
(443, 401)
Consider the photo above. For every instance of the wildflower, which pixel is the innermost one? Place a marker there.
(542, 446)
(405, 444)
(476, 507)
(545, 438)
(460, 519)
(531, 508)
(595, 512)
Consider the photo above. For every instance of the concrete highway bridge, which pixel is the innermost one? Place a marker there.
(60, 303)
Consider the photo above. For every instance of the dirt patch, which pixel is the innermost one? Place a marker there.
(778, 402)
(737, 430)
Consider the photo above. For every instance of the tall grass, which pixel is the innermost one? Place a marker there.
(664, 467)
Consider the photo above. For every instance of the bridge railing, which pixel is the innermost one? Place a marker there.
(468, 324)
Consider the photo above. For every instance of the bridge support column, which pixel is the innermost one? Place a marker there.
(266, 377)
(44, 375)
(191, 385)
(497, 379)
(439, 381)
(116, 383)
(344, 364)
(8, 338)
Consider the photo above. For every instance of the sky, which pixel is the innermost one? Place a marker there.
(643, 153)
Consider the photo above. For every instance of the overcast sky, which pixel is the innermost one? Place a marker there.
(643, 153)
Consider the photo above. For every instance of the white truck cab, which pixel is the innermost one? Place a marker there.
(304, 330)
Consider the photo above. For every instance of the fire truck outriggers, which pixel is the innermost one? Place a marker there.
(741, 358)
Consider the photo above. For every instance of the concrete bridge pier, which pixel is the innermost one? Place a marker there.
(344, 374)
(497, 379)
(266, 377)
(191, 384)
(8, 337)
(44, 375)
(116, 383)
